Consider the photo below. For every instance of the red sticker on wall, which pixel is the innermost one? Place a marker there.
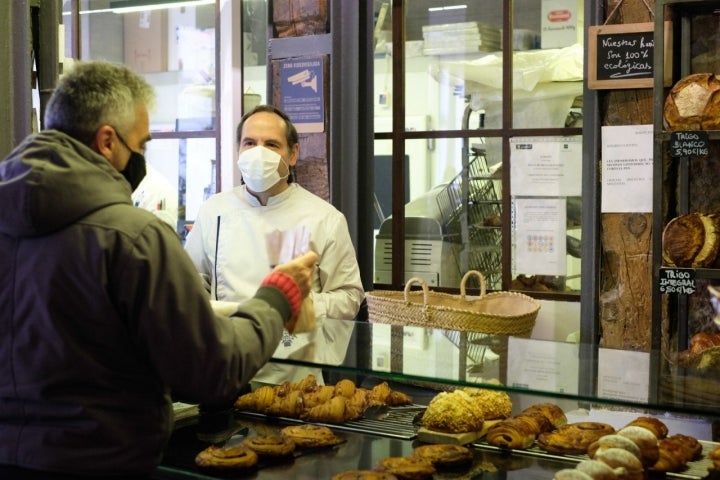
(559, 16)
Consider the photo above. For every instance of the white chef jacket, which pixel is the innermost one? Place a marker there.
(227, 246)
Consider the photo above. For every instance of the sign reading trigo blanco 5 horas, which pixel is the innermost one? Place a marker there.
(301, 88)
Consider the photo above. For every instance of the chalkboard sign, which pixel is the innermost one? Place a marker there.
(677, 281)
(621, 56)
(689, 144)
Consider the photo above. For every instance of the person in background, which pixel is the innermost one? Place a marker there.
(104, 317)
(228, 241)
(155, 194)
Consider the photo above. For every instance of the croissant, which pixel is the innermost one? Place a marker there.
(345, 388)
(516, 432)
(307, 384)
(396, 398)
(379, 393)
(333, 411)
(318, 396)
(247, 401)
(290, 405)
(357, 404)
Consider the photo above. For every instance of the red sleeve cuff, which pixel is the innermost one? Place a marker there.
(285, 283)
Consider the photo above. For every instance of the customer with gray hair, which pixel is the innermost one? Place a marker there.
(104, 317)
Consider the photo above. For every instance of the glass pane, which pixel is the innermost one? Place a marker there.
(545, 179)
(254, 74)
(181, 175)
(547, 62)
(444, 44)
(174, 48)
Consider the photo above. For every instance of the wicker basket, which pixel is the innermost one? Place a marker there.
(497, 313)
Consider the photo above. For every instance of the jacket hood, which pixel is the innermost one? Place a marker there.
(51, 180)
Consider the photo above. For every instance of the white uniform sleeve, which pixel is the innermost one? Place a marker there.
(196, 250)
(338, 291)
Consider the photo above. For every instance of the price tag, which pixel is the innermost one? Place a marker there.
(689, 144)
(676, 281)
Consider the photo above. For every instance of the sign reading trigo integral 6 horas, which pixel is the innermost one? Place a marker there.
(621, 56)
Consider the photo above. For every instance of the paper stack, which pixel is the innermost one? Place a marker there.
(464, 37)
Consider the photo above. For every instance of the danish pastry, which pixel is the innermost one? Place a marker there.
(675, 451)
(407, 468)
(270, 446)
(573, 438)
(444, 455)
(515, 432)
(235, 457)
(309, 435)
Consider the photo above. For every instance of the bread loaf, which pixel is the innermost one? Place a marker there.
(693, 103)
(691, 241)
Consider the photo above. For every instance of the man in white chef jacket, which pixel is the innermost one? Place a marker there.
(229, 242)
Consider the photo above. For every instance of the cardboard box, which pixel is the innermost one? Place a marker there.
(146, 41)
(559, 23)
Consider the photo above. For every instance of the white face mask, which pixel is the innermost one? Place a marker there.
(259, 168)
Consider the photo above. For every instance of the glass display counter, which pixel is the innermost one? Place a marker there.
(423, 362)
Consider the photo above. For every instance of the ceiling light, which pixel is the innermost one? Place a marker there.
(130, 6)
(449, 7)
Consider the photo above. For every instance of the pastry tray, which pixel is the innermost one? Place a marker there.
(695, 470)
(398, 422)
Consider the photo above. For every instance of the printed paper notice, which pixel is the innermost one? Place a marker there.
(546, 166)
(627, 169)
(302, 93)
(539, 234)
(617, 381)
(542, 365)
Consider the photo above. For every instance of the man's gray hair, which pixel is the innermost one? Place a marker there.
(93, 94)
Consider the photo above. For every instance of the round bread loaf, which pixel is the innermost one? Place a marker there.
(691, 240)
(691, 103)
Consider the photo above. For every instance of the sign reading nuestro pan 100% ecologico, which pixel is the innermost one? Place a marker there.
(621, 56)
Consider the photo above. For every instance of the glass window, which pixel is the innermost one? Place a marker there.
(173, 47)
(464, 114)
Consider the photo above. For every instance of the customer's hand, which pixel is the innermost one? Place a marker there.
(301, 270)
